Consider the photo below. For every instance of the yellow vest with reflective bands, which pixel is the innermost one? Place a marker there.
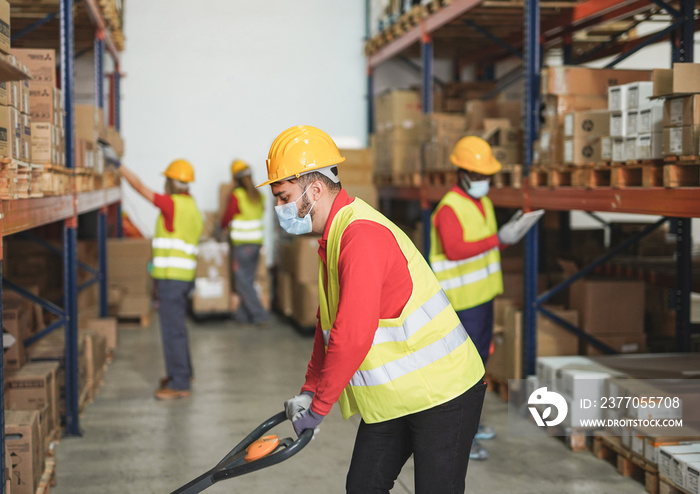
(476, 280)
(247, 226)
(175, 253)
(419, 360)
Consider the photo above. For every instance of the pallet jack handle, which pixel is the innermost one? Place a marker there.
(234, 463)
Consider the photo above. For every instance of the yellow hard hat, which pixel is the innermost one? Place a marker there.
(238, 166)
(180, 170)
(474, 154)
(298, 150)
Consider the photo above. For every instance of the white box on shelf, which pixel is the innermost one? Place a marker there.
(650, 146)
(617, 98)
(651, 119)
(618, 124)
(638, 94)
(618, 149)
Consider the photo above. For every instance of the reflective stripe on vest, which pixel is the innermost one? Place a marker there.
(247, 226)
(175, 253)
(476, 280)
(418, 360)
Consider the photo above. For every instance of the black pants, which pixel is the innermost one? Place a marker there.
(438, 438)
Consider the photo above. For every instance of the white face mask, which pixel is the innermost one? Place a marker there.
(476, 188)
(288, 216)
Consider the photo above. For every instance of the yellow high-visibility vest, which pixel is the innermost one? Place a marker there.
(175, 253)
(476, 280)
(247, 226)
(419, 360)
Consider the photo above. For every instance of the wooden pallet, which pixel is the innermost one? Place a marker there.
(509, 176)
(497, 385)
(590, 177)
(682, 171)
(48, 478)
(609, 448)
(561, 176)
(577, 440)
(667, 486)
(538, 177)
(649, 174)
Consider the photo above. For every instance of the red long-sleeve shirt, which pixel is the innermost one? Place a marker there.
(451, 233)
(232, 210)
(374, 284)
(167, 208)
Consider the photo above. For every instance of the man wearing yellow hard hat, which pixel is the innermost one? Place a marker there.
(244, 218)
(388, 344)
(178, 228)
(465, 250)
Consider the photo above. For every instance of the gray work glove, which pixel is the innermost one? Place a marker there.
(296, 405)
(508, 233)
(308, 419)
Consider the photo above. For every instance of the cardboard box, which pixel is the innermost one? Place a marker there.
(25, 448)
(95, 359)
(87, 123)
(5, 32)
(41, 64)
(619, 149)
(212, 279)
(557, 106)
(618, 124)
(609, 306)
(397, 152)
(127, 264)
(34, 387)
(15, 320)
(622, 343)
(357, 166)
(284, 292)
(584, 81)
(547, 367)
(398, 109)
(26, 140)
(366, 192)
(10, 132)
(686, 78)
(682, 111)
(587, 123)
(44, 104)
(476, 111)
(650, 146)
(551, 146)
(43, 144)
(305, 303)
(651, 119)
(638, 94)
(617, 98)
(496, 362)
(681, 141)
(662, 79)
(579, 151)
(300, 258)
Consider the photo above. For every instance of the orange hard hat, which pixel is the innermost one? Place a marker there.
(180, 170)
(474, 154)
(299, 150)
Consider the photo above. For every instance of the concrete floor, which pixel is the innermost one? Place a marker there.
(132, 443)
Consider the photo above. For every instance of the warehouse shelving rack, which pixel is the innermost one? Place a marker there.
(457, 30)
(20, 216)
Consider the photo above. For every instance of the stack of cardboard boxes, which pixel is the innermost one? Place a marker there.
(397, 124)
(355, 175)
(130, 282)
(566, 90)
(439, 134)
(212, 283)
(296, 292)
(680, 91)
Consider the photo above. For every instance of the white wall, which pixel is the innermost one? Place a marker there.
(214, 80)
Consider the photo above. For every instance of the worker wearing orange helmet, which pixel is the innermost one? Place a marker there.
(244, 218)
(465, 250)
(178, 228)
(387, 345)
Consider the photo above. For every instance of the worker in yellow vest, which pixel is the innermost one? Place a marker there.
(244, 218)
(175, 241)
(388, 345)
(465, 250)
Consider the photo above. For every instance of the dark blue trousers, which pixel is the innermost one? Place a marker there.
(172, 297)
(478, 321)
